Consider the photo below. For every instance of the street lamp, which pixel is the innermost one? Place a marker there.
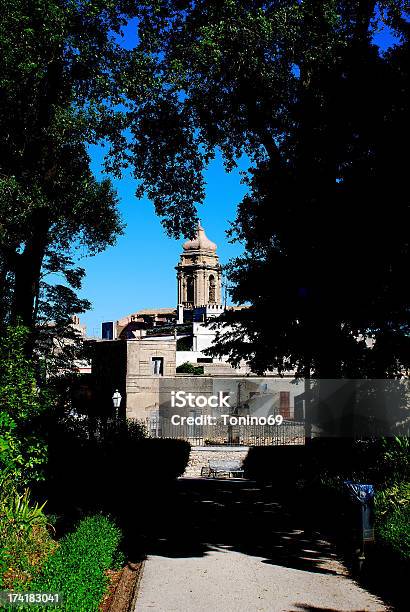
(116, 400)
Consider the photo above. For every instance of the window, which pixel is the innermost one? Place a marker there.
(190, 289)
(194, 430)
(107, 330)
(205, 360)
(284, 404)
(212, 289)
(154, 424)
(299, 409)
(158, 366)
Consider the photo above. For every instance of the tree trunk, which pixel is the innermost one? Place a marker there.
(28, 270)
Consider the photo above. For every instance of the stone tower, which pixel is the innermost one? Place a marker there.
(199, 274)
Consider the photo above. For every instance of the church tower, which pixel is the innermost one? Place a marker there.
(199, 275)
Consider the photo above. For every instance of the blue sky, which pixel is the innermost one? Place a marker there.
(139, 272)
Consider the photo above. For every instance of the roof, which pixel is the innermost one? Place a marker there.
(200, 243)
(151, 311)
(146, 312)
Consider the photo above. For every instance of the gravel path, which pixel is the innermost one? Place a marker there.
(227, 547)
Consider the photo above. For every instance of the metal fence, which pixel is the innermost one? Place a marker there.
(219, 434)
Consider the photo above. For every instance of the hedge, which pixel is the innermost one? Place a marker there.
(77, 568)
(123, 458)
(394, 533)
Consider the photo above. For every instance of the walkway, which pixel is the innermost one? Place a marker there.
(226, 546)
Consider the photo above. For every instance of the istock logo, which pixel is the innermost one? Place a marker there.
(181, 399)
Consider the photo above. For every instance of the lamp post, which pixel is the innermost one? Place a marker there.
(116, 400)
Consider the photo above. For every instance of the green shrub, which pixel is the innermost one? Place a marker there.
(190, 368)
(184, 343)
(394, 532)
(395, 458)
(77, 568)
(393, 499)
(22, 449)
(23, 515)
(22, 554)
(25, 542)
(283, 465)
(116, 456)
(392, 507)
(162, 458)
(118, 434)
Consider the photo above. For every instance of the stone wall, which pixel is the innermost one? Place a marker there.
(200, 455)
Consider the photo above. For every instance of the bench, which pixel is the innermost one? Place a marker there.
(222, 467)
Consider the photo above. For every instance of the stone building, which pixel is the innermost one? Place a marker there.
(146, 318)
(144, 371)
(144, 351)
(199, 300)
(199, 295)
(149, 345)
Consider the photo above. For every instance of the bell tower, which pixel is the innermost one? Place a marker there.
(199, 274)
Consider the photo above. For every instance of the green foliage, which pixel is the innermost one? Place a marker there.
(295, 86)
(55, 61)
(184, 344)
(382, 462)
(136, 430)
(24, 539)
(393, 518)
(102, 456)
(118, 436)
(77, 568)
(22, 515)
(166, 458)
(67, 82)
(22, 448)
(396, 458)
(394, 532)
(393, 499)
(190, 368)
(385, 464)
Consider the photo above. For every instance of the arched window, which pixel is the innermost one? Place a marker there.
(190, 289)
(212, 286)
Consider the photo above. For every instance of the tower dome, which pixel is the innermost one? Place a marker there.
(200, 243)
(199, 274)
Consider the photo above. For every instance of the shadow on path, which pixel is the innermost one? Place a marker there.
(200, 515)
(196, 516)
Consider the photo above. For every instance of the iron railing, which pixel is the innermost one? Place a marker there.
(221, 434)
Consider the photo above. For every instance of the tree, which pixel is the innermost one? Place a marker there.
(53, 89)
(22, 448)
(189, 368)
(65, 83)
(303, 91)
(293, 85)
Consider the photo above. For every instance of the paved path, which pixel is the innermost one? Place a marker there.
(227, 547)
